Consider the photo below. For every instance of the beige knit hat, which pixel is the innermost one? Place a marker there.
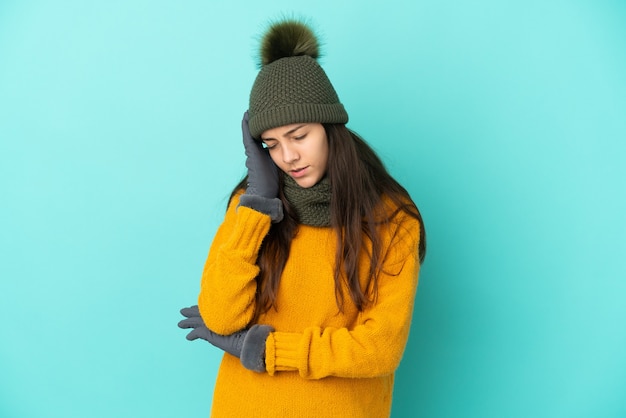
(291, 87)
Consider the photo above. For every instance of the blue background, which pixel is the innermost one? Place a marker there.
(120, 141)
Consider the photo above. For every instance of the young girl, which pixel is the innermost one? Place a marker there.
(310, 280)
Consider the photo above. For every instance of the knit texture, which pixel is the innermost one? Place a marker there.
(293, 90)
(311, 204)
(320, 362)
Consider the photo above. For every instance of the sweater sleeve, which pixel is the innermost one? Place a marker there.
(228, 286)
(374, 347)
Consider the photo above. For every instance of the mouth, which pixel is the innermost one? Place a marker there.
(298, 171)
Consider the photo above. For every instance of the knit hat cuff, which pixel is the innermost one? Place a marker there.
(296, 113)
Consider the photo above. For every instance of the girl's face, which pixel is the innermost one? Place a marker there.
(300, 150)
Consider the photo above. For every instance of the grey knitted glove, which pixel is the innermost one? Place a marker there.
(247, 344)
(262, 172)
(262, 191)
(230, 343)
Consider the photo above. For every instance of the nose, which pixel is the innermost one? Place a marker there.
(289, 153)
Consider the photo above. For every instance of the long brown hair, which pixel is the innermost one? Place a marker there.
(358, 181)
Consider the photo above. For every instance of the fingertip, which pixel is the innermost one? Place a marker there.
(190, 311)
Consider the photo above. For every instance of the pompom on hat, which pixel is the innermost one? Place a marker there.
(291, 87)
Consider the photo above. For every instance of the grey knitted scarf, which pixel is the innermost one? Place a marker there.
(312, 205)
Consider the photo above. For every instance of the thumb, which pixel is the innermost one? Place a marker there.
(195, 334)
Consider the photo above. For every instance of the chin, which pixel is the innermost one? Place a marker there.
(305, 183)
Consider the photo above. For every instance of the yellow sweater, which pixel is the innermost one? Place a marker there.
(320, 362)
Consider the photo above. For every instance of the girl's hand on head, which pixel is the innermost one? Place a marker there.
(262, 172)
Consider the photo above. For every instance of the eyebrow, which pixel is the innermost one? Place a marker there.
(286, 133)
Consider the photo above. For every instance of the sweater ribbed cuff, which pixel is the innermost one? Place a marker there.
(247, 236)
(282, 352)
